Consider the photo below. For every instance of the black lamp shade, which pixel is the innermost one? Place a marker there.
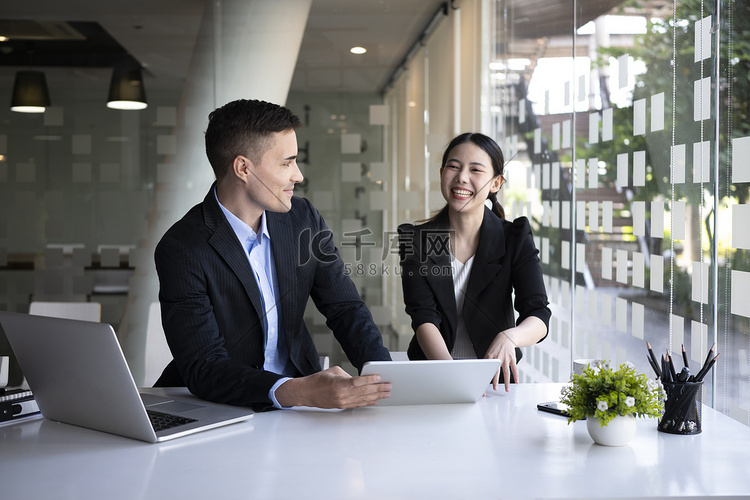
(30, 94)
(126, 89)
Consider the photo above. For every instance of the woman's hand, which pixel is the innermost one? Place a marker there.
(504, 349)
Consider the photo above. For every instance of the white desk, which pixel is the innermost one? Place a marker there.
(500, 447)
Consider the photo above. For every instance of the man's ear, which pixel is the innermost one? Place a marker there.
(241, 167)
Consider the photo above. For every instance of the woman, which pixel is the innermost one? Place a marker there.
(461, 267)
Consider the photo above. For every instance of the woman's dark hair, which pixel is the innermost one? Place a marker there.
(492, 149)
(244, 127)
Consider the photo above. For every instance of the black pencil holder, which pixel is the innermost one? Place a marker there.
(682, 408)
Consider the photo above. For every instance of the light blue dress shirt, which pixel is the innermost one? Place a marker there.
(259, 255)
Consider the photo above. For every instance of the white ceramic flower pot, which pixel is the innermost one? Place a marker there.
(618, 432)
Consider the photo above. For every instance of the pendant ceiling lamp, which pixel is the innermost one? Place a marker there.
(126, 89)
(30, 93)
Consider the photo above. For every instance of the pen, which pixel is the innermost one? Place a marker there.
(684, 357)
(704, 370)
(664, 370)
(652, 356)
(670, 366)
(653, 365)
(709, 356)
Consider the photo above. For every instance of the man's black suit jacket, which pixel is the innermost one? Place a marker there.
(212, 309)
(506, 262)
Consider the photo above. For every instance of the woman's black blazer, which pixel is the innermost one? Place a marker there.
(506, 261)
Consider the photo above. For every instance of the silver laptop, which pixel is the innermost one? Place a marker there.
(434, 381)
(79, 375)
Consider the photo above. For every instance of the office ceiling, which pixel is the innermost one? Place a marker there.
(161, 34)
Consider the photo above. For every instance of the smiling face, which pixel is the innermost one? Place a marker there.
(270, 181)
(467, 178)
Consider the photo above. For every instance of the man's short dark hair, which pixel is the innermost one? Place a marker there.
(244, 127)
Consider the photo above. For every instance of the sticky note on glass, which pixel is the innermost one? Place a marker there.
(657, 112)
(582, 88)
(639, 117)
(657, 273)
(678, 164)
(639, 168)
(593, 128)
(702, 99)
(678, 332)
(379, 114)
(555, 136)
(678, 220)
(606, 263)
(622, 266)
(638, 269)
(607, 124)
(379, 171)
(740, 227)
(565, 134)
(701, 161)
(565, 213)
(639, 218)
(700, 277)
(638, 315)
(623, 172)
(607, 215)
(740, 292)
(351, 144)
(555, 175)
(622, 66)
(657, 219)
(741, 159)
(702, 39)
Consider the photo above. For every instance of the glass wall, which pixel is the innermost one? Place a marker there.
(86, 191)
(629, 143)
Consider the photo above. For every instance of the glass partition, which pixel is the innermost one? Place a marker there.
(627, 133)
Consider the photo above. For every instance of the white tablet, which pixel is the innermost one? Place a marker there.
(434, 381)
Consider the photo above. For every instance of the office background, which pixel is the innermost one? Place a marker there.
(631, 162)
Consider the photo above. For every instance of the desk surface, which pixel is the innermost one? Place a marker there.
(501, 446)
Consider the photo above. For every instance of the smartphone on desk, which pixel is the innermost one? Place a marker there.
(554, 407)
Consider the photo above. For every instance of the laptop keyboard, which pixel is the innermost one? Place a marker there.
(161, 421)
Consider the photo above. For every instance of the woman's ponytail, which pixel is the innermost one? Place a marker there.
(497, 208)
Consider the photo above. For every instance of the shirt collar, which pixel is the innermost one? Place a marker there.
(242, 230)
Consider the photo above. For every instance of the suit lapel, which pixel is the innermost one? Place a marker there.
(489, 254)
(283, 244)
(226, 244)
(441, 281)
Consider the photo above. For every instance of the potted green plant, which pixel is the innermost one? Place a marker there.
(611, 399)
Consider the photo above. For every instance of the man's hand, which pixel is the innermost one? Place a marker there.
(332, 388)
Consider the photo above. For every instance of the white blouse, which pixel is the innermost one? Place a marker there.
(462, 348)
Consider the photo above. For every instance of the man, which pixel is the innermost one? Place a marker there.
(236, 271)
